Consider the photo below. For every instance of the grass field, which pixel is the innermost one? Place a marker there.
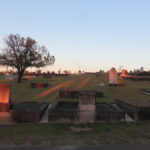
(23, 91)
(61, 134)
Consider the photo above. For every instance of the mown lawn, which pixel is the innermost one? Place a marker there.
(23, 91)
(61, 134)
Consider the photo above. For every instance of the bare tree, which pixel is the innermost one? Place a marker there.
(22, 53)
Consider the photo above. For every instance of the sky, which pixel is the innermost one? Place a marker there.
(86, 35)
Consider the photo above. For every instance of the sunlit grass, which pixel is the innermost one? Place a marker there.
(23, 91)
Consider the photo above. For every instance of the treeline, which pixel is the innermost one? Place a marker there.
(144, 73)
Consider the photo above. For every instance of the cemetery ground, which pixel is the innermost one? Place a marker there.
(24, 92)
(62, 134)
(75, 134)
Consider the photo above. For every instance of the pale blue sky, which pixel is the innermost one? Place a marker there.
(83, 34)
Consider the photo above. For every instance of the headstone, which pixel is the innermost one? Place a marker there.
(113, 77)
(87, 107)
(87, 101)
(4, 97)
(124, 73)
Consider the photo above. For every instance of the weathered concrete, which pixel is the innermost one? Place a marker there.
(44, 118)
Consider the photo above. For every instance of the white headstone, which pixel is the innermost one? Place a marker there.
(113, 78)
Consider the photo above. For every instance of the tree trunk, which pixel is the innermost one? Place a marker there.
(20, 75)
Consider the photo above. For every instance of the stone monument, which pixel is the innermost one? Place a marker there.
(87, 107)
(124, 73)
(113, 77)
(4, 97)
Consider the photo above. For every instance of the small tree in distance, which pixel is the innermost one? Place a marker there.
(22, 53)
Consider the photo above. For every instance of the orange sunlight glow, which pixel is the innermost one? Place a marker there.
(45, 93)
(4, 93)
(83, 83)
